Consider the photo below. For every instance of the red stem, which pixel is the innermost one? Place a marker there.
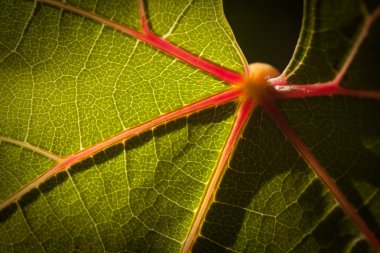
(301, 147)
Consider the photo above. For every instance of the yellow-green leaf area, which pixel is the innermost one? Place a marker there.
(70, 83)
(199, 27)
(125, 197)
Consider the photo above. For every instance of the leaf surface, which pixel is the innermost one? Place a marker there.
(114, 138)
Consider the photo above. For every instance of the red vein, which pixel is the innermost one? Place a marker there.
(282, 90)
(148, 37)
(369, 19)
(301, 147)
(77, 157)
(363, 33)
(325, 89)
(32, 148)
(240, 121)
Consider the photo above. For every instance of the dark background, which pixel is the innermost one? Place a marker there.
(267, 31)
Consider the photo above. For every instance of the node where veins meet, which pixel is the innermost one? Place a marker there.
(256, 83)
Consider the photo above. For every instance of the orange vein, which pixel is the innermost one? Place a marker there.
(32, 148)
(240, 121)
(77, 157)
(301, 147)
(161, 44)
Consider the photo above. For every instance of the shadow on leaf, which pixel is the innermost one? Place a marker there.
(341, 133)
(269, 200)
(201, 118)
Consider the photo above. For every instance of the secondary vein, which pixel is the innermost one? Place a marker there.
(31, 147)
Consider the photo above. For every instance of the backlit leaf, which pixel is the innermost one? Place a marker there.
(119, 117)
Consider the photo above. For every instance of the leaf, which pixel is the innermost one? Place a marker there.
(138, 126)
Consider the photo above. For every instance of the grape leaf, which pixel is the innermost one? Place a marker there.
(138, 126)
